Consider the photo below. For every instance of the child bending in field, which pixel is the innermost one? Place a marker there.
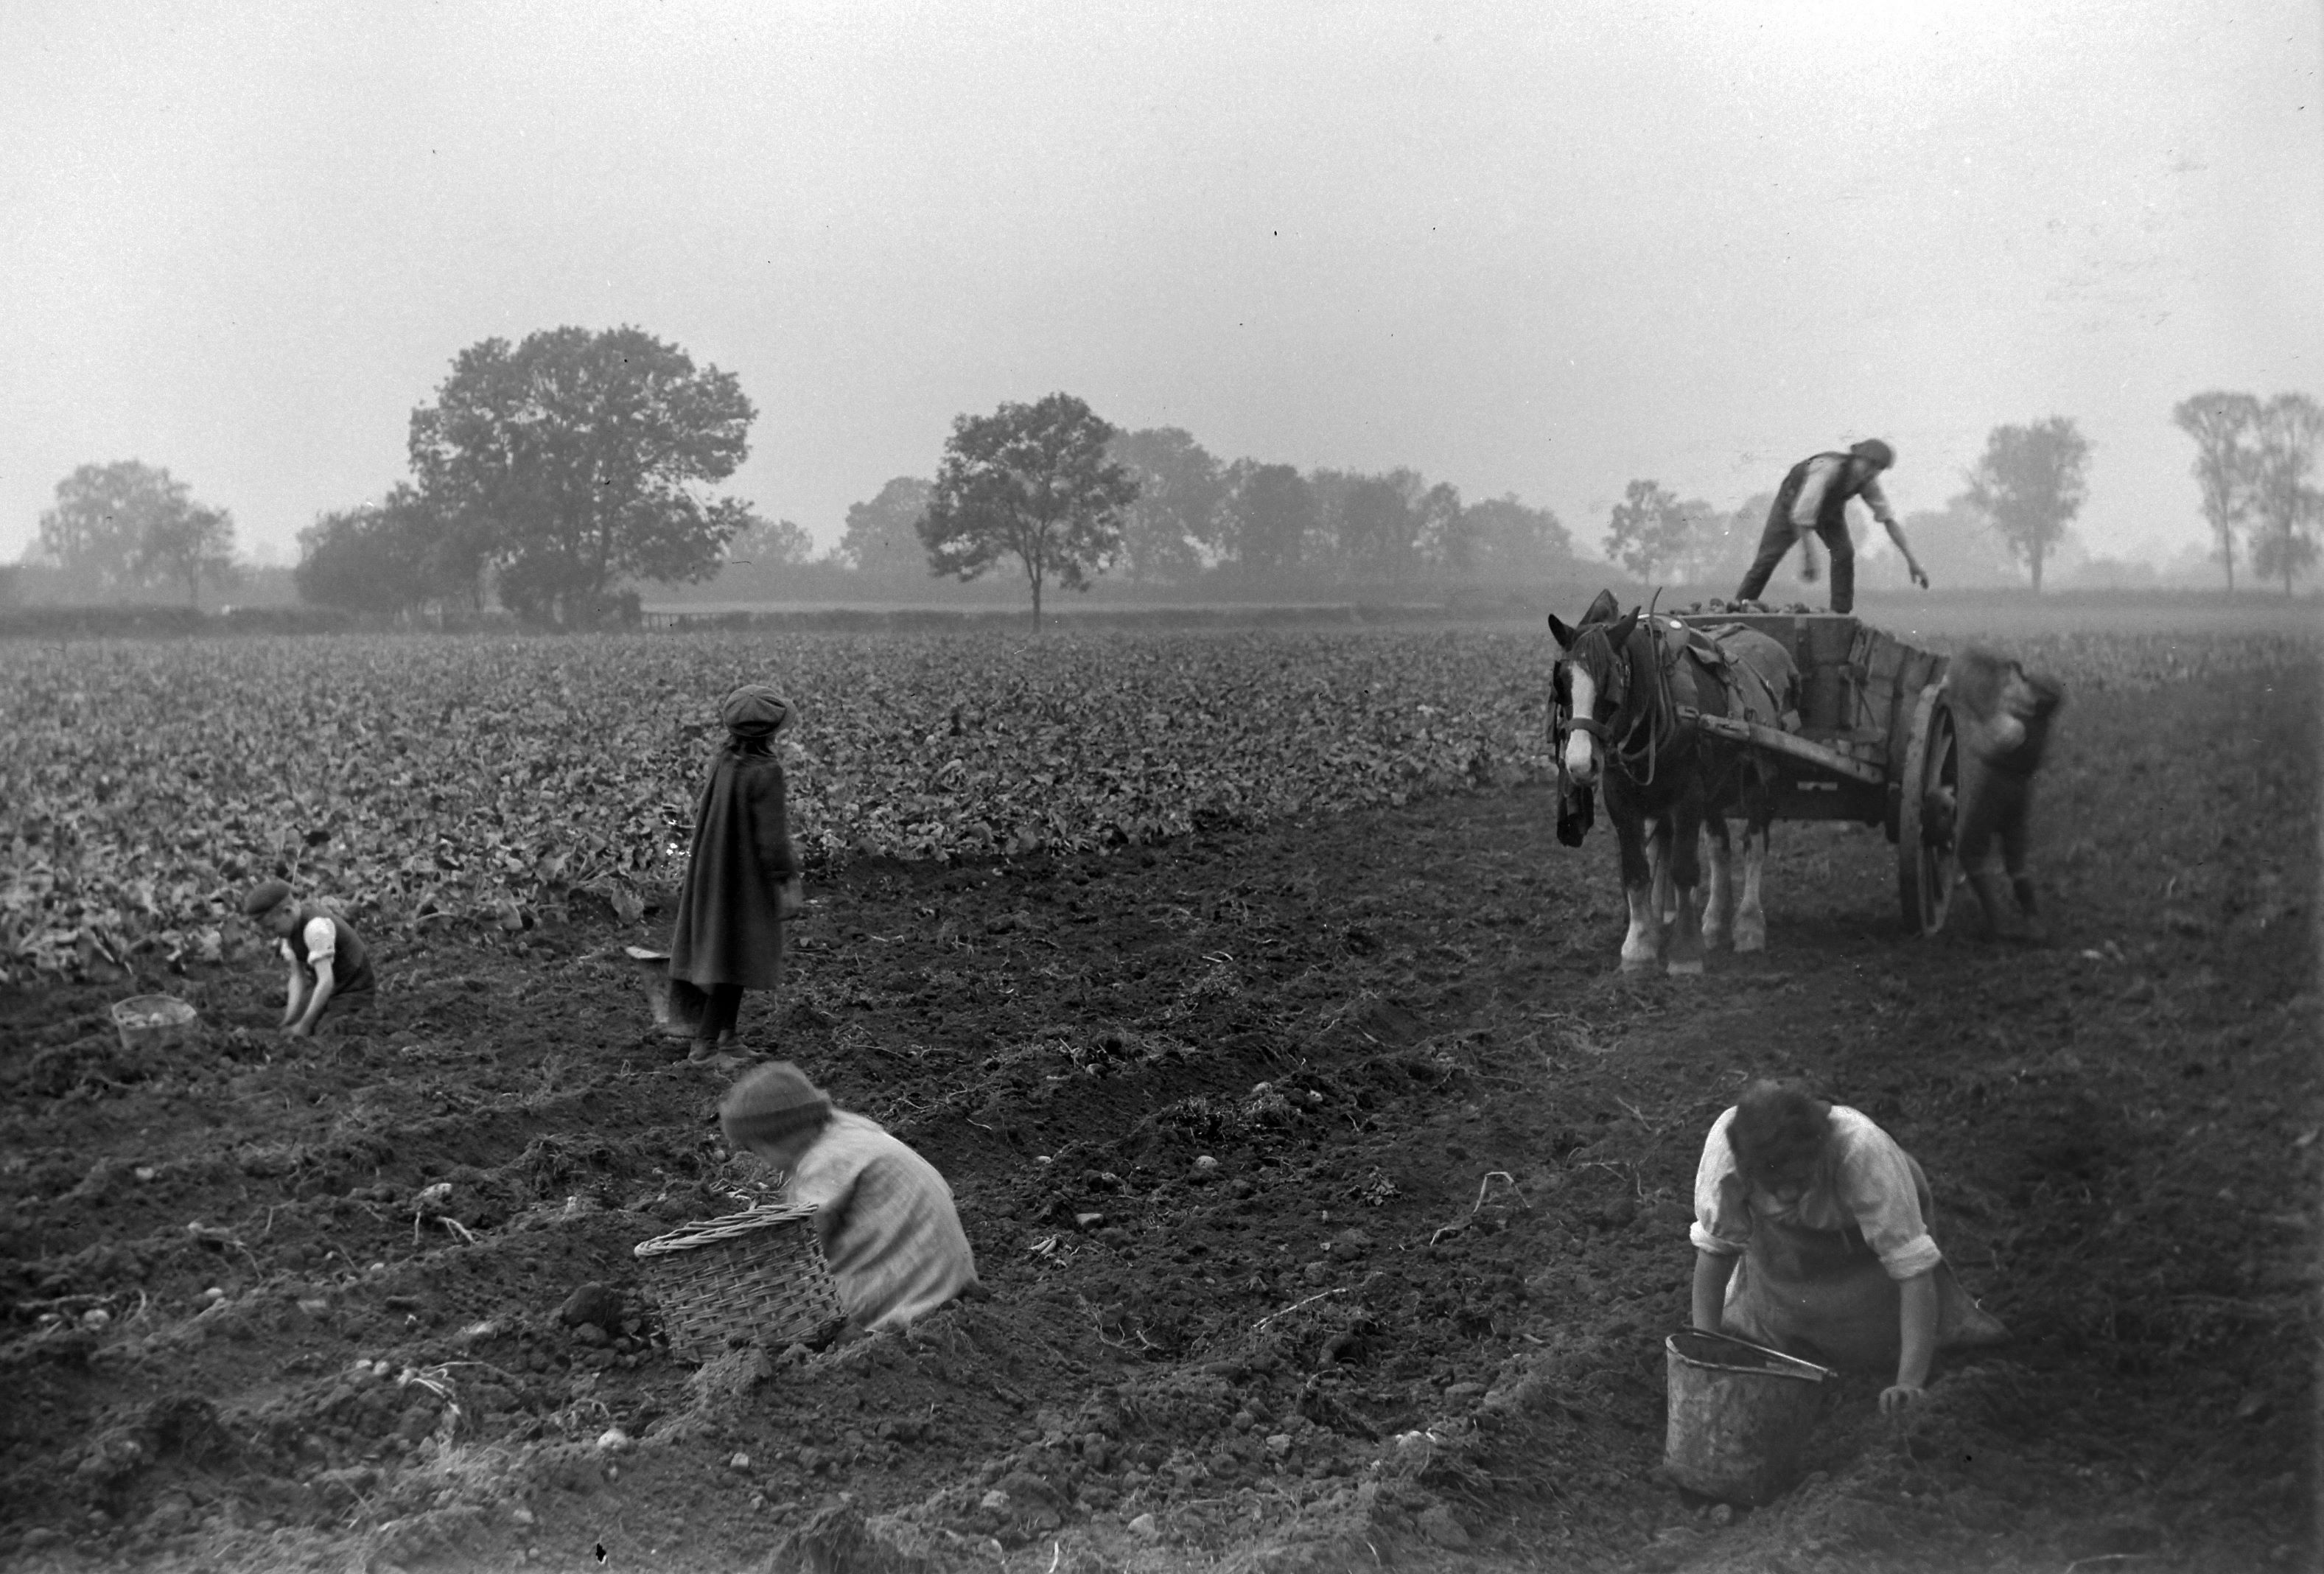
(1811, 1236)
(884, 1217)
(741, 882)
(330, 966)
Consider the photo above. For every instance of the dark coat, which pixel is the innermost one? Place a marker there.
(727, 930)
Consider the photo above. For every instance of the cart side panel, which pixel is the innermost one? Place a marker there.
(1892, 676)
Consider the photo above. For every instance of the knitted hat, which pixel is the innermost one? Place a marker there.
(772, 1103)
(755, 711)
(265, 896)
(1875, 453)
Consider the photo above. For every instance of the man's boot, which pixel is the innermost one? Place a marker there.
(2001, 918)
(2036, 932)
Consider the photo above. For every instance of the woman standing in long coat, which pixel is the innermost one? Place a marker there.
(742, 872)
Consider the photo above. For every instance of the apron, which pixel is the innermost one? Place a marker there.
(1822, 1296)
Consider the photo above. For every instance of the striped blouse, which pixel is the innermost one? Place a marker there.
(889, 1231)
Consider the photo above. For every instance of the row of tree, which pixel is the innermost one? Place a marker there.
(2025, 490)
(561, 469)
(2252, 463)
(555, 473)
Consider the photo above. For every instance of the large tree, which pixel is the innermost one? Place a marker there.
(2223, 425)
(190, 546)
(388, 557)
(585, 458)
(2030, 482)
(1271, 514)
(117, 528)
(1175, 520)
(1505, 537)
(1031, 482)
(1387, 527)
(1650, 530)
(883, 535)
(2286, 509)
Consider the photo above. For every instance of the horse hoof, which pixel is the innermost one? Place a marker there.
(1686, 970)
(1745, 942)
(1640, 965)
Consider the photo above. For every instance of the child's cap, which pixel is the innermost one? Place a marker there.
(772, 1103)
(265, 896)
(755, 711)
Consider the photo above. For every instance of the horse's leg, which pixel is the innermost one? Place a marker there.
(1642, 946)
(1686, 949)
(1657, 835)
(1750, 917)
(1717, 906)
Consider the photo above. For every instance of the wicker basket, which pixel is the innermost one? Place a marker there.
(753, 1277)
(154, 1022)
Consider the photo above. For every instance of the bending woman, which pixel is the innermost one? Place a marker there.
(1811, 1236)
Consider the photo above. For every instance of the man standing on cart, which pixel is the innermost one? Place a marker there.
(1814, 498)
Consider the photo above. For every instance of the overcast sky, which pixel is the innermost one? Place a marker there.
(1527, 248)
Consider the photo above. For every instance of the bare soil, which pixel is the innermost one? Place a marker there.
(1410, 1311)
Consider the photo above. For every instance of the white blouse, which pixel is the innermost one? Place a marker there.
(1868, 1182)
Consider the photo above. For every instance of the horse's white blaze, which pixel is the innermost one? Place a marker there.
(1750, 918)
(1722, 885)
(1642, 947)
(1580, 747)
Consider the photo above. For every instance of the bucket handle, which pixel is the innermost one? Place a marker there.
(1788, 1365)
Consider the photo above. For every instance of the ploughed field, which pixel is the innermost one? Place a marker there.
(1085, 912)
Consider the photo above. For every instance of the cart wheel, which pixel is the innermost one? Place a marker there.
(1925, 868)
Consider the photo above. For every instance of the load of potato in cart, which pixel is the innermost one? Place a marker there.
(1876, 744)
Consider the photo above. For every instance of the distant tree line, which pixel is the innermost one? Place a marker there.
(554, 474)
(2252, 466)
(2021, 495)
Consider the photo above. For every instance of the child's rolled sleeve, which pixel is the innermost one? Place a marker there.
(1722, 1219)
(1878, 1190)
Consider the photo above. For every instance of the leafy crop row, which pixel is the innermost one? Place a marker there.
(422, 780)
(416, 780)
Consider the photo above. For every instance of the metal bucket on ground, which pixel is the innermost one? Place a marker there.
(1740, 1416)
(676, 1005)
(150, 1022)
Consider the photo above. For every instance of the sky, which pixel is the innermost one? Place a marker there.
(1528, 248)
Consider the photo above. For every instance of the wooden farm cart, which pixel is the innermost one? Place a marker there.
(1876, 744)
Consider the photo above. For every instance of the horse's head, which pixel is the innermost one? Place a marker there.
(1593, 684)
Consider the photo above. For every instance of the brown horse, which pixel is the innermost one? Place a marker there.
(1628, 689)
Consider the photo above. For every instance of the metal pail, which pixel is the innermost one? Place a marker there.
(677, 1004)
(1740, 1416)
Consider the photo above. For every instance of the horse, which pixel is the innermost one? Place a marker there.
(1627, 693)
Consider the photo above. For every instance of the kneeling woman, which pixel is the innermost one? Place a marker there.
(884, 1217)
(1811, 1236)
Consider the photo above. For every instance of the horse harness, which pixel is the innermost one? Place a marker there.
(1654, 721)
